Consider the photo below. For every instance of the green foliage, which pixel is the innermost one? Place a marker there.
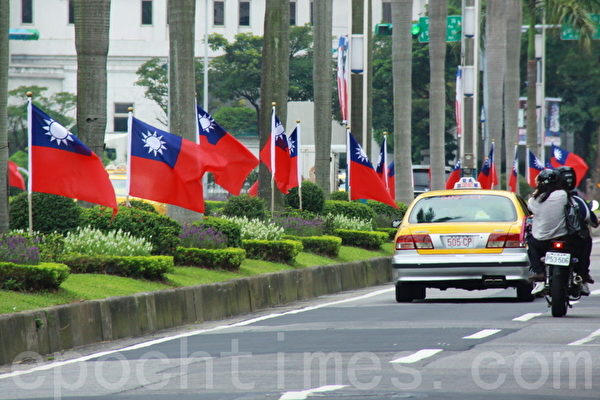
(349, 209)
(365, 239)
(213, 207)
(385, 214)
(50, 213)
(341, 221)
(339, 196)
(272, 250)
(161, 231)
(228, 259)
(328, 246)
(312, 198)
(238, 120)
(230, 229)
(257, 229)
(141, 267)
(90, 241)
(140, 205)
(391, 232)
(44, 276)
(245, 206)
(51, 247)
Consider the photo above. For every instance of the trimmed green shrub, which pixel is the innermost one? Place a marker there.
(349, 209)
(213, 207)
(91, 241)
(385, 214)
(230, 229)
(140, 205)
(257, 229)
(51, 247)
(313, 199)
(245, 206)
(50, 213)
(328, 246)
(391, 232)
(44, 276)
(272, 250)
(339, 195)
(230, 258)
(160, 230)
(367, 240)
(146, 267)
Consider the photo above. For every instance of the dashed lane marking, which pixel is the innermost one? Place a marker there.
(483, 334)
(527, 317)
(418, 356)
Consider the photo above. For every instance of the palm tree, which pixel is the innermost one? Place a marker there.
(92, 25)
(4, 26)
(402, 75)
(322, 82)
(181, 17)
(438, 11)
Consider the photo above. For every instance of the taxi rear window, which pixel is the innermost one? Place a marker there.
(463, 208)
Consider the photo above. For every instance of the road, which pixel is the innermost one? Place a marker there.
(354, 345)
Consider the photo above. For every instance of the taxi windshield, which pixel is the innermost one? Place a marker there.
(463, 208)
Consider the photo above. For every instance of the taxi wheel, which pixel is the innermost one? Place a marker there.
(406, 293)
(524, 292)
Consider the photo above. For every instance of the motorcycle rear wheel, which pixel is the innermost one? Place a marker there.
(558, 291)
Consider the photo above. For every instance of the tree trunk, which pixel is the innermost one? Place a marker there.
(512, 81)
(495, 68)
(182, 122)
(274, 81)
(438, 11)
(322, 82)
(402, 76)
(4, 26)
(531, 121)
(92, 27)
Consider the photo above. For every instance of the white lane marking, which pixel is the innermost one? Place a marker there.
(483, 334)
(527, 317)
(418, 356)
(302, 395)
(149, 343)
(595, 292)
(586, 339)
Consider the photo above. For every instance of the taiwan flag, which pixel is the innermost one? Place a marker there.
(294, 179)
(15, 179)
(164, 167)
(276, 151)
(514, 173)
(391, 180)
(229, 161)
(562, 157)
(59, 163)
(343, 69)
(364, 182)
(454, 176)
(487, 176)
(534, 167)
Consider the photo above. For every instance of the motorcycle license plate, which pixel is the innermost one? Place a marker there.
(562, 259)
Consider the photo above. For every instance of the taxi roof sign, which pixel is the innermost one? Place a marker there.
(467, 183)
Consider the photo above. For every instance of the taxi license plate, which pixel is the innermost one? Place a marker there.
(562, 259)
(458, 241)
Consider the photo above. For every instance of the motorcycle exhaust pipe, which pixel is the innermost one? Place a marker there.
(578, 279)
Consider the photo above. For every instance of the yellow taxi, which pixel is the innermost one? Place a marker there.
(466, 238)
(118, 178)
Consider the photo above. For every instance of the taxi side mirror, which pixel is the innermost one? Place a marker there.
(396, 223)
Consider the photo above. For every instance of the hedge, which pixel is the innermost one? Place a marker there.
(44, 276)
(145, 267)
(349, 209)
(224, 226)
(328, 246)
(385, 214)
(272, 250)
(230, 258)
(51, 213)
(366, 239)
(391, 232)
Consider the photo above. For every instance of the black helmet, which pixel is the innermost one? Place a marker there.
(547, 177)
(568, 175)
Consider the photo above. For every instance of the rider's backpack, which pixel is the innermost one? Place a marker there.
(574, 221)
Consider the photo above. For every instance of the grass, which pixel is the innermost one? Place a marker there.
(81, 287)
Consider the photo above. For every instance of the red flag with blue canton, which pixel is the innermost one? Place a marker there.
(487, 176)
(514, 173)
(282, 156)
(294, 179)
(227, 159)
(454, 175)
(562, 157)
(534, 167)
(165, 167)
(381, 168)
(364, 182)
(59, 163)
(391, 180)
(15, 179)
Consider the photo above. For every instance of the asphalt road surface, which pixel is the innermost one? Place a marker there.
(355, 345)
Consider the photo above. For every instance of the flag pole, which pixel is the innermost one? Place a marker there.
(129, 132)
(298, 163)
(30, 180)
(272, 145)
(384, 167)
(348, 161)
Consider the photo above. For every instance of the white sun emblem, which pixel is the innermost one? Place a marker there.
(360, 153)
(154, 143)
(558, 154)
(206, 122)
(57, 132)
(291, 145)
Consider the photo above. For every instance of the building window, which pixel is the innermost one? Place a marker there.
(218, 13)
(292, 13)
(146, 12)
(27, 11)
(386, 12)
(244, 13)
(120, 117)
(71, 12)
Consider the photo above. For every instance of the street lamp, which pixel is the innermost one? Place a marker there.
(469, 21)
(468, 80)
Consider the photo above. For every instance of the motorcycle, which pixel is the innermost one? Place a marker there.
(563, 284)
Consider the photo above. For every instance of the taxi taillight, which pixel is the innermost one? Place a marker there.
(506, 240)
(412, 242)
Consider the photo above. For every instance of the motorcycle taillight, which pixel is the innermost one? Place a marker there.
(558, 245)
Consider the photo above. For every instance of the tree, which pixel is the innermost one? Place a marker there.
(4, 26)
(402, 83)
(438, 12)
(92, 25)
(322, 81)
